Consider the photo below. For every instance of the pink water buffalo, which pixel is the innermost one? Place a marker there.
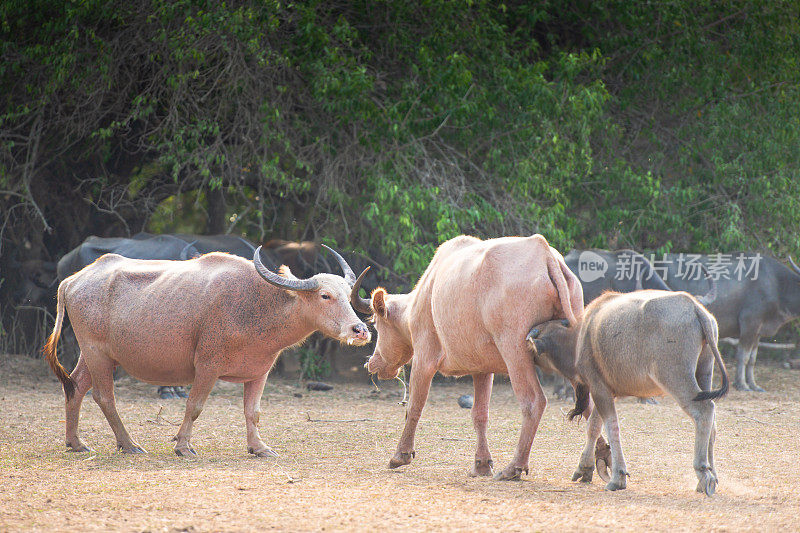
(191, 322)
(469, 314)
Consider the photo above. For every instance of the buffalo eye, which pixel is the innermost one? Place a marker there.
(325, 296)
(565, 323)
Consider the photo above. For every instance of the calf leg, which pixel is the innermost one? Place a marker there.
(83, 382)
(419, 386)
(604, 403)
(201, 388)
(252, 412)
(703, 415)
(482, 384)
(102, 382)
(704, 376)
(586, 463)
(532, 400)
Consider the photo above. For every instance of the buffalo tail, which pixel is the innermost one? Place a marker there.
(562, 287)
(581, 401)
(50, 346)
(711, 334)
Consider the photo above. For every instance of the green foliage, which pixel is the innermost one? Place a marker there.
(313, 365)
(391, 126)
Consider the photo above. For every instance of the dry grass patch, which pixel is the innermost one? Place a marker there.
(332, 471)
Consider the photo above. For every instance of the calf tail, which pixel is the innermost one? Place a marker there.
(711, 334)
(562, 287)
(50, 346)
(581, 401)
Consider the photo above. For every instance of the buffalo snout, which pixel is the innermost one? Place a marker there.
(362, 333)
(358, 334)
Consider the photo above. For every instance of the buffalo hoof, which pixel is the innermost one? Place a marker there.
(166, 393)
(132, 448)
(616, 485)
(401, 459)
(185, 451)
(741, 386)
(511, 473)
(78, 446)
(584, 475)
(755, 388)
(266, 451)
(482, 467)
(180, 392)
(707, 484)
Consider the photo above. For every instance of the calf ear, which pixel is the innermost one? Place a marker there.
(379, 302)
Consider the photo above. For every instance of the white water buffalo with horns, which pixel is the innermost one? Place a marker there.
(191, 322)
(469, 314)
(641, 344)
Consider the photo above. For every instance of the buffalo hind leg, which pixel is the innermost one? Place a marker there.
(749, 370)
(102, 370)
(705, 377)
(702, 414)
(201, 388)
(83, 382)
(532, 401)
(252, 412)
(482, 384)
(419, 387)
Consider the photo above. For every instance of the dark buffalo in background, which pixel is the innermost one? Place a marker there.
(756, 295)
(142, 246)
(620, 271)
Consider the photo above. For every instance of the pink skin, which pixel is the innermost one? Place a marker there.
(469, 314)
(188, 322)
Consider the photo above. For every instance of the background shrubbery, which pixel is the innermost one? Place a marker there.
(387, 127)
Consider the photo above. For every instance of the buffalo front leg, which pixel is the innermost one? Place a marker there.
(420, 385)
(102, 380)
(604, 404)
(587, 461)
(201, 388)
(252, 412)
(745, 352)
(532, 401)
(482, 384)
(83, 382)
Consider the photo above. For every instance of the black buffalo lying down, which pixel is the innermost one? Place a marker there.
(756, 296)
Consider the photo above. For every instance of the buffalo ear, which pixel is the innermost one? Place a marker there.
(286, 272)
(379, 302)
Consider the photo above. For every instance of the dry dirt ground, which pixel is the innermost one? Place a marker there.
(334, 447)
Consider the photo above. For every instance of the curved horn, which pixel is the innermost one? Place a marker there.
(185, 252)
(280, 281)
(362, 305)
(794, 266)
(349, 276)
(711, 295)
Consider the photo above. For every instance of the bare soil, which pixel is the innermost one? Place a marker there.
(334, 448)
